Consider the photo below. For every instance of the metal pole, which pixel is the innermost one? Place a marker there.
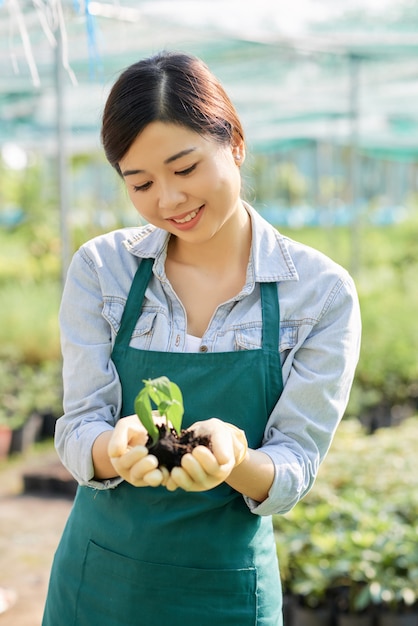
(62, 162)
(354, 62)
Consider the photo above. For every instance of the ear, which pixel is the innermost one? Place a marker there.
(238, 151)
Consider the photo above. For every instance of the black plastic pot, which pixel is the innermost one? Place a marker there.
(24, 436)
(304, 616)
(354, 619)
(397, 619)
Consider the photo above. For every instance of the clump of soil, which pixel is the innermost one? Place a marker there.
(170, 447)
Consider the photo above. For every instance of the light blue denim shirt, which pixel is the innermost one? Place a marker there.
(319, 345)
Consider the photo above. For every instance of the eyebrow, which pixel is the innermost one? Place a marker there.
(170, 159)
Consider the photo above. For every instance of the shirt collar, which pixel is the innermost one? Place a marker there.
(270, 254)
(147, 241)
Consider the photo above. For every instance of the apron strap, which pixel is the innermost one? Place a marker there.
(271, 316)
(133, 305)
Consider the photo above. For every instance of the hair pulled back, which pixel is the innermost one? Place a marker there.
(168, 87)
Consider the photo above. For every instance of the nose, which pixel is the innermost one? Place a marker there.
(170, 196)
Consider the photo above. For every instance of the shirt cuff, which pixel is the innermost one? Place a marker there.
(101, 485)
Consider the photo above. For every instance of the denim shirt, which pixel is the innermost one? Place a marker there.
(319, 346)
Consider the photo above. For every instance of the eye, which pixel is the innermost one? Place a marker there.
(188, 170)
(143, 187)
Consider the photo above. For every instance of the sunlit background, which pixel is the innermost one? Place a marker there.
(327, 90)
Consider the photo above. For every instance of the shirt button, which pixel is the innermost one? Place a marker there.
(203, 349)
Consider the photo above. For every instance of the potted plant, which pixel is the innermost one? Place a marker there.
(303, 548)
(398, 602)
(352, 540)
(23, 420)
(354, 605)
(25, 432)
(166, 439)
(30, 396)
(357, 562)
(395, 589)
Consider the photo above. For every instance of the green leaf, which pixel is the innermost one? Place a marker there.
(163, 407)
(174, 415)
(144, 411)
(168, 399)
(159, 388)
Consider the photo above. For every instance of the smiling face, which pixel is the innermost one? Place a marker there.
(183, 182)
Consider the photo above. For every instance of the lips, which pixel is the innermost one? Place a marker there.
(187, 220)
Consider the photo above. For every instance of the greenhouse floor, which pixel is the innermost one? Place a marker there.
(35, 501)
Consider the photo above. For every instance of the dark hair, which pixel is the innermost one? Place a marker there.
(168, 87)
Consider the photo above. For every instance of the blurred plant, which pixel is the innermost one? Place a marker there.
(353, 538)
(26, 389)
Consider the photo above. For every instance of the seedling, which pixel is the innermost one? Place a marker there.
(168, 400)
(167, 442)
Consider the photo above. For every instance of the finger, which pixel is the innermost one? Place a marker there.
(131, 456)
(182, 478)
(171, 484)
(222, 446)
(220, 435)
(206, 459)
(191, 464)
(209, 464)
(153, 478)
(166, 474)
(124, 463)
(143, 466)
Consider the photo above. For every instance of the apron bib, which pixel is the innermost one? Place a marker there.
(148, 557)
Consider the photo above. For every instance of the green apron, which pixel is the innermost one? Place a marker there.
(148, 557)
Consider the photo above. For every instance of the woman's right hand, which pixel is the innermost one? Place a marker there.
(129, 454)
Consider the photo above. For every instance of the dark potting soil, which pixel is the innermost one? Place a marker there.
(170, 448)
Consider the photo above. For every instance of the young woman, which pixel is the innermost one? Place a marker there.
(260, 333)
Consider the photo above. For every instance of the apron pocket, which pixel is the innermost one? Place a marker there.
(119, 591)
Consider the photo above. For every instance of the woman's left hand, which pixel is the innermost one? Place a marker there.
(204, 469)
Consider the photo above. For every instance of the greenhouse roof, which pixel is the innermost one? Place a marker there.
(310, 72)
